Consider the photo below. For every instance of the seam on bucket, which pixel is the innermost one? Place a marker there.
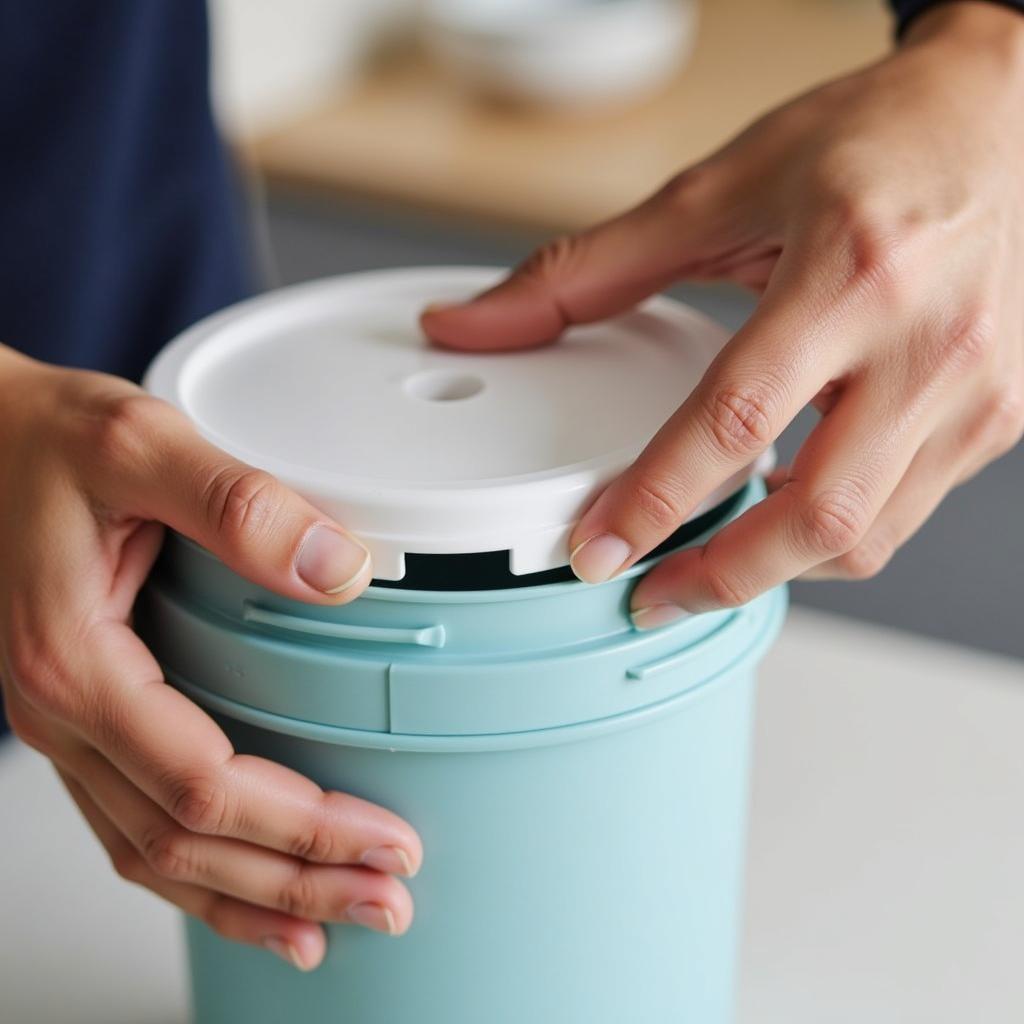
(387, 698)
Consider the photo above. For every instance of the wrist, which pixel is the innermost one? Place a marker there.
(11, 361)
(20, 380)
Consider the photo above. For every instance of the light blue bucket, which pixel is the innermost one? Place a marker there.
(580, 789)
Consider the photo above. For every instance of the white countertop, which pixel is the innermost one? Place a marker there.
(886, 869)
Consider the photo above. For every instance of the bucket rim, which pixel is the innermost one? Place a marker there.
(775, 602)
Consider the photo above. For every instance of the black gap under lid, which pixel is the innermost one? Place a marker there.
(489, 570)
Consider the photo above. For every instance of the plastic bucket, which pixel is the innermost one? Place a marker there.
(580, 789)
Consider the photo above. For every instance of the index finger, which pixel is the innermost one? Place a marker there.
(767, 373)
(842, 476)
(606, 270)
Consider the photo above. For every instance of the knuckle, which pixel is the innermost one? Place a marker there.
(967, 340)
(869, 244)
(107, 717)
(723, 589)
(298, 895)
(200, 805)
(218, 913)
(240, 504)
(833, 522)
(689, 187)
(318, 843)
(876, 262)
(169, 851)
(864, 561)
(740, 419)
(38, 671)
(550, 264)
(27, 728)
(1004, 416)
(547, 263)
(123, 429)
(127, 862)
(658, 502)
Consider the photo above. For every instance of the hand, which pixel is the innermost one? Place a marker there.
(90, 467)
(881, 217)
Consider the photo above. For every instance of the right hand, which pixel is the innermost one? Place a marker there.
(90, 469)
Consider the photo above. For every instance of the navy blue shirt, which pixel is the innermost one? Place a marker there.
(119, 218)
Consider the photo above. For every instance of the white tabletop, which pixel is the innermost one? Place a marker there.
(885, 878)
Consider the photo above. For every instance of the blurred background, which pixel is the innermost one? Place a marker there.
(379, 133)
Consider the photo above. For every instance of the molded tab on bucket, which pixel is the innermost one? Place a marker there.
(432, 697)
(301, 681)
(733, 634)
(415, 691)
(382, 739)
(332, 387)
(416, 636)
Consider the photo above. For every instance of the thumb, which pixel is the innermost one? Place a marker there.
(161, 469)
(581, 278)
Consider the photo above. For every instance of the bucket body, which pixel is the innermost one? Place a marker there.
(580, 789)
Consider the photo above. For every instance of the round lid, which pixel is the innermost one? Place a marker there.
(332, 387)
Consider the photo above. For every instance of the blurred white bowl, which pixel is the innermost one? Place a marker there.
(565, 53)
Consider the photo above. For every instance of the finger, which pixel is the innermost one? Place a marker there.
(996, 429)
(947, 460)
(136, 557)
(301, 943)
(776, 478)
(250, 873)
(73, 662)
(841, 478)
(596, 274)
(108, 688)
(927, 481)
(769, 371)
(354, 894)
(151, 463)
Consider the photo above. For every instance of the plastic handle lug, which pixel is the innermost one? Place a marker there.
(729, 632)
(419, 636)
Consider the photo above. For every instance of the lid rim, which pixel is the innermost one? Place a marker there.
(530, 514)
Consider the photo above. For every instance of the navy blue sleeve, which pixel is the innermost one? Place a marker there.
(120, 220)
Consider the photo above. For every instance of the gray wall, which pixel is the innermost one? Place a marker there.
(961, 578)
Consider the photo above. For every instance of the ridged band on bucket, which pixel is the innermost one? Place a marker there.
(332, 387)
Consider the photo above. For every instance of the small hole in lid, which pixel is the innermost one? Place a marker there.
(443, 385)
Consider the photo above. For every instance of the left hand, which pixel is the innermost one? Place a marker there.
(881, 218)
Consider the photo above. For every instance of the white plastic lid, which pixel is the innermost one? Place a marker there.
(332, 387)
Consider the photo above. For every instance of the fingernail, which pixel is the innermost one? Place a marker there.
(599, 558)
(391, 859)
(286, 951)
(373, 915)
(656, 615)
(330, 561)
(439, 307)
